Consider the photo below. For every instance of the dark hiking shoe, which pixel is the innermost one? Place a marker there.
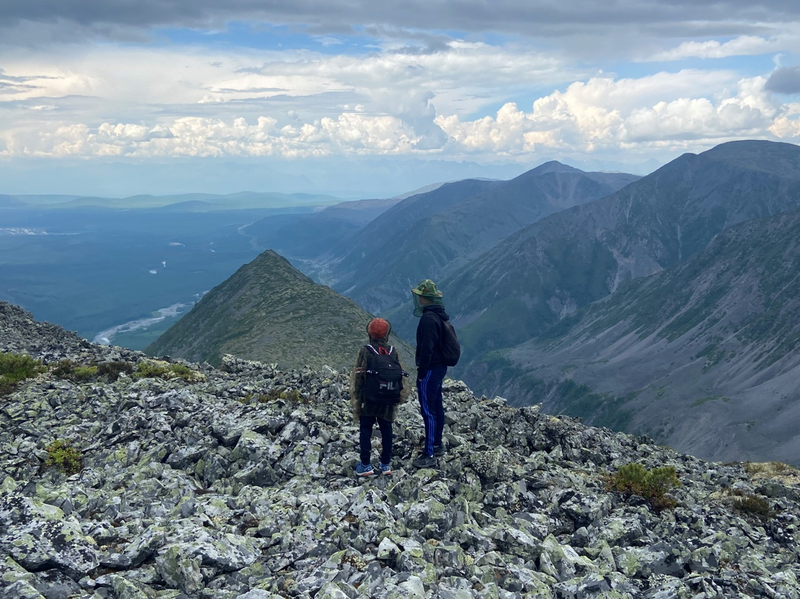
(386, 469)
(424, 461)
(439, 451)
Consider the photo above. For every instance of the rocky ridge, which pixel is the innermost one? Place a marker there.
(270, 311)
(238, 483)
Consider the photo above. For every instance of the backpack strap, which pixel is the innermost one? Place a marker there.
(381, 350)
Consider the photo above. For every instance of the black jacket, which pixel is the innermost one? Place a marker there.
(429, 330)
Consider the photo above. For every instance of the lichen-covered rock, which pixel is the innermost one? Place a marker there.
(180, 570)
(37, 536)
(220, 488)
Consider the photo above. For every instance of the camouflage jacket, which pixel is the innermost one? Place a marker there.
(357, 385)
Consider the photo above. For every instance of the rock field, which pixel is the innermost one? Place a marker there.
(238, 483)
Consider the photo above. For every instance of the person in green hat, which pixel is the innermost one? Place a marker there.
(431, 370)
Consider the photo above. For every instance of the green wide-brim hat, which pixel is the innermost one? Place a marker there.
(427, 288)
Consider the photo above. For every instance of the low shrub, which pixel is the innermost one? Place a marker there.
(61, 454)
(113, 370)
(277, 393)
(15, 368)
(67, 369)
(768, 468)
(653, 485)
(165, 370)
(748, 503)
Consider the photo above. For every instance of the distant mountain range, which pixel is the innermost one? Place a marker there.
(431, 234)
(189, 202)
(312, 236)
(271, 312)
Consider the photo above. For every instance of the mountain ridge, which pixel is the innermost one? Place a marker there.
(430, 234)
(269, 310)
(551, 268)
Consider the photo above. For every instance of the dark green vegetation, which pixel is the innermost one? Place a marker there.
(62, 455)
(155, 369)
(269, 311)
(653, 485)
(15, 368)
(77, 373)
(750, 503)
(67, 369)
(598, 409)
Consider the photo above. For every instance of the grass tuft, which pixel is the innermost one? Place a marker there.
(61, 454)
(653, 485)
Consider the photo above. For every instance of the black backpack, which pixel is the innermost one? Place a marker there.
(448, 344)
(383, 379)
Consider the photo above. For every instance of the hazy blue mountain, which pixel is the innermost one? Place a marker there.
(189, 202)
(271, 312)
(41, 200)
(314, 235)
(9, 202)
(547, 271)
(704, 356)
(433, 233)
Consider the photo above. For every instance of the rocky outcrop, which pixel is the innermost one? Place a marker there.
(239, 484)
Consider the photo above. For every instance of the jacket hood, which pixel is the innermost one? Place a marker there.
(439, 311)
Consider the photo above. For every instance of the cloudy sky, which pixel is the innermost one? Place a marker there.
(365, 98)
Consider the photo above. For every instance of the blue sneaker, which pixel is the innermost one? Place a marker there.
(386, 469)
(364, 470)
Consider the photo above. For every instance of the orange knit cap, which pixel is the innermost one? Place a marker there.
(378, 328)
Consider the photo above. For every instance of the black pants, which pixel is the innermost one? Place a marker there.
(366, 423)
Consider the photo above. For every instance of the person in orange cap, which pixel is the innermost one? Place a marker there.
(377, 387)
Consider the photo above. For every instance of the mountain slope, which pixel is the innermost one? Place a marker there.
(704, 357)
(271, 312)
(548, 270)
(430, 234)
